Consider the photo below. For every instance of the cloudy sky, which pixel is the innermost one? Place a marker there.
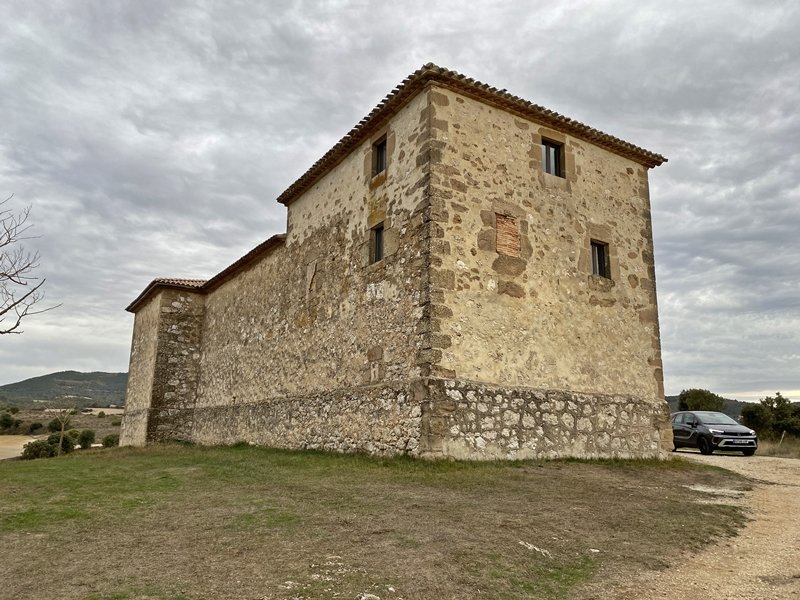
(151, 137)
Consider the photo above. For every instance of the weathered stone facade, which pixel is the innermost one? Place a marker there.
(479, 331)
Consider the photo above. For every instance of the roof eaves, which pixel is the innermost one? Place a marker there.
(165, 283)
(470, 87)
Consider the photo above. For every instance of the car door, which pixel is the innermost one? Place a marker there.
(679, 431)
(690, 423)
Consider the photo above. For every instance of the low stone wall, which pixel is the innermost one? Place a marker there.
(465, 419)
(382, 420)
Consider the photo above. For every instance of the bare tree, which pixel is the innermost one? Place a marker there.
(64, 418)
(20, 290)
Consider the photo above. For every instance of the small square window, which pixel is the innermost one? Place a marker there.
(376, 244)
(553, 158)
(379, 156)
(600, 265)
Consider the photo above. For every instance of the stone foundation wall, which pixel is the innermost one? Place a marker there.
(384, 420)
(465, 419)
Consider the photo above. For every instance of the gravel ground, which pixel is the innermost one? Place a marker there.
(761, 563)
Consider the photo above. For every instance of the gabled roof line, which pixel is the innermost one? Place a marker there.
(203, 286)
(431, 73)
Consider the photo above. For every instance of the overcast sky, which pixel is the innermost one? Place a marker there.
(152, 137)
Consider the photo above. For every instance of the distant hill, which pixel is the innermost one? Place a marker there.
(732, 408)
(67, 388)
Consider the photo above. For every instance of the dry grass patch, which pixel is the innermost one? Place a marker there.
(789, 448)
(178, 522)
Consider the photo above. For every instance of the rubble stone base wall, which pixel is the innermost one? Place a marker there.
(441, 418)
(383, 420)
(465, 419)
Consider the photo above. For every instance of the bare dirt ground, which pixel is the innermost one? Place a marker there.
(761, 563)
(11, 445)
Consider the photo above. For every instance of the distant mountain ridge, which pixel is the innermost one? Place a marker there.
(67, 388)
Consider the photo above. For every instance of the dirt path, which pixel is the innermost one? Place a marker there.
(11, 445)
(762, 563)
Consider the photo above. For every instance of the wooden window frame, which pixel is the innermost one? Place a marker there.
(379, 156)
(376, 243)
(553, 157)
(600, 255)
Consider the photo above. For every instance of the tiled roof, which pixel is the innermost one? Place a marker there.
(204, 286)
(431, 73)
(190, 283)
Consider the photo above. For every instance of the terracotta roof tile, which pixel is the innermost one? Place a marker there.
(190, 283)
(431, 73)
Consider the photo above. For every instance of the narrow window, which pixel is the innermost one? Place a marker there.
(507, 235)
(600, 265)
(379, 156)
(552, 158)
(376, 244)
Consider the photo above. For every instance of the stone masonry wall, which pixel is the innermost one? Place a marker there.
(162, 384)
(140, 373)
(177, 365)
(541, 319)
(535, 316)
(315, 316)
(379, 419)
(464, 419)
(445, 347)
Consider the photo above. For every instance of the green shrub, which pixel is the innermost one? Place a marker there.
(38, 449)
(73, 433)
(54, 425)
(111, 440)
(6, 421)
(67, 444)
(116, 422)
(86, 439)
(13, 410)
(101, 414)
(34, 427)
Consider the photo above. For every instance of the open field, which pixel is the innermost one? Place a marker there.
(173, 522)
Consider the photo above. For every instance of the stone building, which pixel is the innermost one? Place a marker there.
(463, 274)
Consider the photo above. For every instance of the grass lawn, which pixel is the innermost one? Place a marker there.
(183, 522)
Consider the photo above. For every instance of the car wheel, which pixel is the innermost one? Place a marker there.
(749, 452)
(705, 447)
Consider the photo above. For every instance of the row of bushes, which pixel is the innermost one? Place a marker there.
(72, 439)
(13, 426)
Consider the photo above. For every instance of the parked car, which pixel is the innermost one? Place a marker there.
(709, 431)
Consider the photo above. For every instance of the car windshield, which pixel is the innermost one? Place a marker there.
(715, 418)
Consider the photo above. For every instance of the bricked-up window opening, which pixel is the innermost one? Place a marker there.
(376, 244)
(600, 265)
(553, 158)
(508, 242)
(379, 156)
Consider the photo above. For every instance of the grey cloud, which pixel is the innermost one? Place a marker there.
(152, 137)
